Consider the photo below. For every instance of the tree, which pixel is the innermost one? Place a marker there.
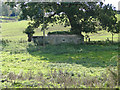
(5, 10)
(82, 17)
(9, 11)
(110, 20)
(115, 28)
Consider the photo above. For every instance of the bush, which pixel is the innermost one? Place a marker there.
(102, 43)
(60, 32)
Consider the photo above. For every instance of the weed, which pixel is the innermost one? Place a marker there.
(56, 66)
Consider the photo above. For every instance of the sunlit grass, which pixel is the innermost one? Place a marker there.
(86, 60)
(14, 31)
(85, 55)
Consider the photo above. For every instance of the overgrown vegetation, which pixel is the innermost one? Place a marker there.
(58, 66)
(60, 32)
(87, 17)
(92, 64)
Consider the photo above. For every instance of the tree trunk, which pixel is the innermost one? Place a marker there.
(75, 28)
(29, 37)
(112, 37)
(43, 38)
(44, 28)
(86, 39)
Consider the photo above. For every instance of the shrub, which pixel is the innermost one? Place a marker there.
(60, 32)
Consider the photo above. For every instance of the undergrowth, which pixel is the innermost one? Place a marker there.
(58, 66)
(58, 79)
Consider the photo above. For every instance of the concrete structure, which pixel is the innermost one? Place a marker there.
(58, 39)
(119, 6)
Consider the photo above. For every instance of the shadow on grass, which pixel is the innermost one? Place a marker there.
(86, 55)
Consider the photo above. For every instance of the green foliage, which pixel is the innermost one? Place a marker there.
(60, 32)
(55, 66)
(26, 65)
(10, 11)
(9, 31)
(82, 17)
(118, 17)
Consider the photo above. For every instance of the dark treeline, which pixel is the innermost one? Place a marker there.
(6, 10)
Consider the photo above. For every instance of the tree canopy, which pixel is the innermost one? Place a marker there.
(85, 17)
(9, 11)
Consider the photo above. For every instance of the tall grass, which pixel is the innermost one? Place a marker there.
(64, 65)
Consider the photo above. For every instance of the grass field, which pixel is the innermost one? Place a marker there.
(21, 62)
(14, 31)
(56, 66)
